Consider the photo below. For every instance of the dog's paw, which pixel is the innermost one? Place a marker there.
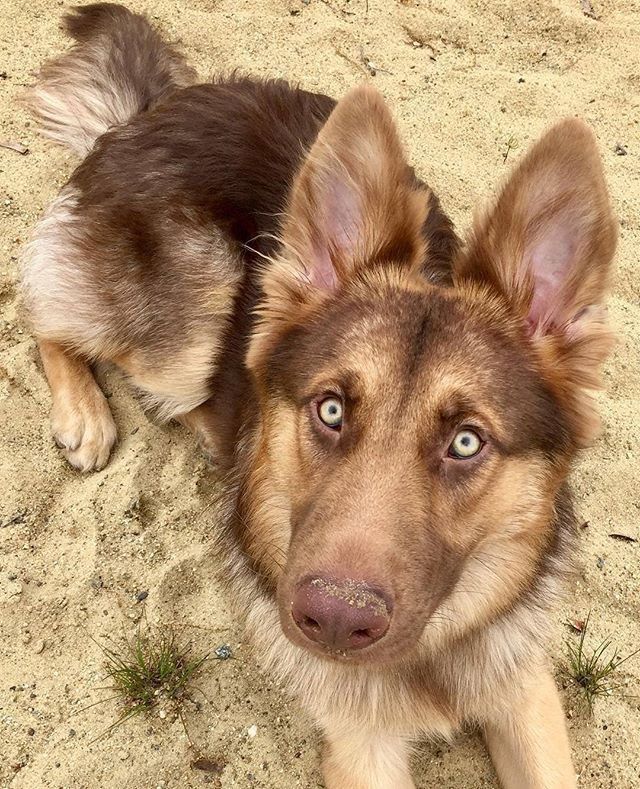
(84, 430)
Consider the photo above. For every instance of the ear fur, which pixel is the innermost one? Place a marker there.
(355, 204)
(547, 246)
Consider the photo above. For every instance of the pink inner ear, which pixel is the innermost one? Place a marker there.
(549, 262)
(342, 215)
(339, 228)
(322, 274)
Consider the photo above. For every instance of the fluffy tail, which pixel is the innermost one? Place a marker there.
(119, 66)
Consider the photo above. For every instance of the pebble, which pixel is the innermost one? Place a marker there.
(140, 596)
(224, 652)
(252, 730)
(39, 647)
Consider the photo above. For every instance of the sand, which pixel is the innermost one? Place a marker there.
(464, 77)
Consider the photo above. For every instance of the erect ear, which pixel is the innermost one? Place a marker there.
(547, 245)
(354, 203)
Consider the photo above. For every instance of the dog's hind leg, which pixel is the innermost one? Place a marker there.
(80, 416)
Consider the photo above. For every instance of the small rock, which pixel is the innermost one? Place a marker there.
(252, 731)
(140, 596)
(31, 731)
(133, 507)
(162, 714)
(600, 563)
(620, 150)
(39, 647)
(520, 79)
(224, 652)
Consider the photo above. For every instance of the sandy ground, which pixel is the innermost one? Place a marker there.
(464, 77)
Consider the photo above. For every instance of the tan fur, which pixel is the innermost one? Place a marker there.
(177, 386)
(529, 744)
(360, 759)
(80, 417)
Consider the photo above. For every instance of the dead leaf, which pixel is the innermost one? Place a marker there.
(620, 535)
(577, 625)
(12, 145)
(208, 765)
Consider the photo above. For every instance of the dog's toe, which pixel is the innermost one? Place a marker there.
(86, 433)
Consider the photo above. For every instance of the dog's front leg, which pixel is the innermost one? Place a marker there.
(529, 745)
(361, 759)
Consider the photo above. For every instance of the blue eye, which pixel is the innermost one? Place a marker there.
(466, 444)
(330, 411)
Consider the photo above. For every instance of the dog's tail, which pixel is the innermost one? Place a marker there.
(119, 66)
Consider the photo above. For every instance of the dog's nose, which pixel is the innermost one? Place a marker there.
(341, 614)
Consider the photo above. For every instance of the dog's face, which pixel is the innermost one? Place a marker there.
(414, 436)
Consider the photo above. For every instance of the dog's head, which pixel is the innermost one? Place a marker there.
(414, 435)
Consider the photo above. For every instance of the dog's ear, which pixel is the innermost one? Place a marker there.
(354, 203)
(547, 245)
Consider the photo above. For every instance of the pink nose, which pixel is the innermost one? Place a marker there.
(340, 614)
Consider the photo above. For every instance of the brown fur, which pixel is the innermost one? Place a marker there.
(268, 246)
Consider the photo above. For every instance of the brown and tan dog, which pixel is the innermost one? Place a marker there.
(396, 413)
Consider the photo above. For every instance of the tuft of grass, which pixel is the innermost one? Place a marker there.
(153, 669)
(593, 671)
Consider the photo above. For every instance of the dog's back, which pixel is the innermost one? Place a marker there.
(180, 192)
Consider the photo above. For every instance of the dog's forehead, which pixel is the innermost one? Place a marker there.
(430, 356)
(433, 340)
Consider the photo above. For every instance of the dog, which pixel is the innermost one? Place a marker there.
(395, 412)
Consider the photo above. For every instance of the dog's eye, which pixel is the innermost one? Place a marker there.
(330, 412)
(465, 444)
